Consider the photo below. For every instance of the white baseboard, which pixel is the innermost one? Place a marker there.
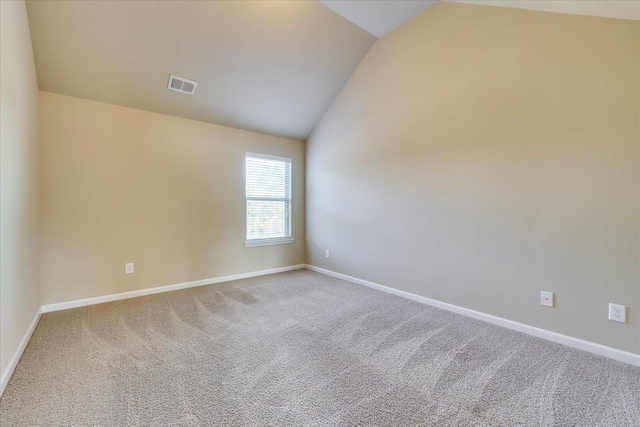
(4, 380)
(610, 352)
(149, 291)
(591, 347)
(114, 297)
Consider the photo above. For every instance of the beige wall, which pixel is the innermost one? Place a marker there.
(19, 179)
(479, 155)
(122, 185)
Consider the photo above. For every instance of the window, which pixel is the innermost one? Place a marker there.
(268, 193)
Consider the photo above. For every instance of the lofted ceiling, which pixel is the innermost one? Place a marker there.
(621, 9)
(268, 66)
(379, 17)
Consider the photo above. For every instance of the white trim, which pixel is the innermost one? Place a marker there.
(267, 157)
(267, 199)
(4, 380)
(591, 347)
(267, 242)
(6, 375)
(287, 200)
(149, 291)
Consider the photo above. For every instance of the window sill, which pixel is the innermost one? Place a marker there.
(267, 242)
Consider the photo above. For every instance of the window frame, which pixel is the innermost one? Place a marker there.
(288, 238)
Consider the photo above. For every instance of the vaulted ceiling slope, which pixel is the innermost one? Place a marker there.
(268, 66)
(379, 16)
(382, 16)
(620, 9)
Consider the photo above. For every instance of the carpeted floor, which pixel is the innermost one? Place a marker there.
(303, 349)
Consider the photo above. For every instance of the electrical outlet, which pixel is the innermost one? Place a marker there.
(128, 268)
(327, 254)
(546, 298)
(618, 313)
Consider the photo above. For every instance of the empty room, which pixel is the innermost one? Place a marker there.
(320, 213)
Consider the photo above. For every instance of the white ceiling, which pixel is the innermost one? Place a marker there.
(268, 66)
(380, 17)
(622, 9)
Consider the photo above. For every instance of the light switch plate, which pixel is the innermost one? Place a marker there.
(128, 268)
(618, 313)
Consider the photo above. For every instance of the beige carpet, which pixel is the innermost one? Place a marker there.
(303, 349)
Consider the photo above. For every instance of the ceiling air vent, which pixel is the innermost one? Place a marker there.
(180, 84)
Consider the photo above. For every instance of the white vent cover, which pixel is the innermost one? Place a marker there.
(183, 85)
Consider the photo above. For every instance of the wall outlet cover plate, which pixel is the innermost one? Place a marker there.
(618, 313)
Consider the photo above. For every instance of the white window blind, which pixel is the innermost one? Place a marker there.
(268, 193)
